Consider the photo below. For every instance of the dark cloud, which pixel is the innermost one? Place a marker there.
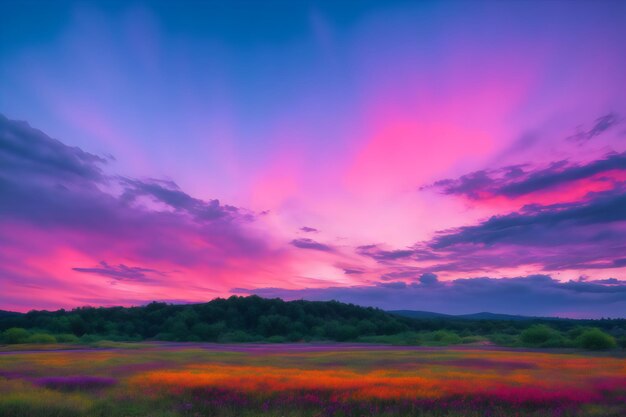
(307, 229)
(395, 285)
(352, 271)
(122, 272)
(586, 235)
(306, 243)
(605, 264)
(75, 191)
(607, 281)
(470, 185)
(403, 272)
(428, 278)
(169, 193)
(538, 295)
(590, 234)
(30, 154)
(419, 252)
(542, 225)
(381, 255)
(518, 180)
(601, 125)
(562, 173)
(50, 188)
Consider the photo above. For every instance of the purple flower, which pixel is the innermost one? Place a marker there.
(73, 383)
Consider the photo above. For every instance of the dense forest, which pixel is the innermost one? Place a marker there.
(255, 319)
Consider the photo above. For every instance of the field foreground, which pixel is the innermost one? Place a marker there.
(168, 379)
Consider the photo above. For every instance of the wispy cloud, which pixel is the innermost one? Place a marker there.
(601, 125)
(306, 243)
(519, 180)
(122, 272)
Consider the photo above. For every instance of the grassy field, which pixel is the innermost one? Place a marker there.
(169, 379)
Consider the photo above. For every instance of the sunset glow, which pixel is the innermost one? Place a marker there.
(454, 157)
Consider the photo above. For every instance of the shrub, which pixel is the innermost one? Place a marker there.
(15, 335)
(90, 338)
(596, 339)
(276, 339)
(540, 335)
(473, 339)
(441, 338)
(67, 338)
(295, 337)
(238, 336)
(503, 339)
(402, 339)
(41, 338)
(409, 338)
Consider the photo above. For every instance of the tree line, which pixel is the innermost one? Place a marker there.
(255, 319)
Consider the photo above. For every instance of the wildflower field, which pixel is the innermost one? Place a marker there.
(169, 379)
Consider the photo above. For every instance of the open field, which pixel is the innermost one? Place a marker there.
(169, 379)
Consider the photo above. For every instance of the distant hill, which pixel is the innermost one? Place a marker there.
(417, 314)
(495, 316)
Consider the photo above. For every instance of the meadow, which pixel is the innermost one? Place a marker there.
(203, 379)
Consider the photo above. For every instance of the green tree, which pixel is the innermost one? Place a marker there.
(596, 339)
(78, 325)
(15, 335)
(538, 335)
(67, 338)
(447, 337)
(41, 338)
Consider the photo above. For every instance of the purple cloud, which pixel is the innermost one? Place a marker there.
(543, 225)
(402, 272)
(538, 295)
(122, 272)
(58, 199)
(381, 255)
(352, 271)
(169, 193)
(396, 285)
(306, 243)
(518, 180)
(587, 235)
(601, 125)
(428, 278)
(33, 156)
(72, 194)
(590, 234)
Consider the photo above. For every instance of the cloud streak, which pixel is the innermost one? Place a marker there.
(515, 181)
(306, 243)
(538, 295)
(122, 272)
(601, 125)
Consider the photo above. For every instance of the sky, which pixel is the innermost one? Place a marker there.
(445, 156)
